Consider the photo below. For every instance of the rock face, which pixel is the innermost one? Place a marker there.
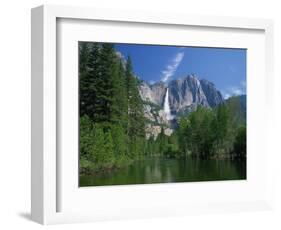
(155, 115)
(186, 92)
(185, 95)
(152, 131)
(213, 96)
(153, 93)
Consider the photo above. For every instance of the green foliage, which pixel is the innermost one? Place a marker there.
(151, 147)
(108, 147)
(199, 133)
(162, 146)
(111, 110)
(88, 77)
(240, 142)
(237, 108)
(184, 124)
(209, 133)
(135, 124)
(101, 148)
(102, 83)
(172, 147)
(120, 99)
(119, 140)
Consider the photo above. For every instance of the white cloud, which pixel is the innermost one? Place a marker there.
(172, 66)
(235, 90)
(225, 95)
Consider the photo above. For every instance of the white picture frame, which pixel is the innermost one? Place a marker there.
(46, 179)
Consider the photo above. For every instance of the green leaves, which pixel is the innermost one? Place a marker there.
(135, 125)
(101, 147)
(111, 110)
(209, 133)
(241, 142)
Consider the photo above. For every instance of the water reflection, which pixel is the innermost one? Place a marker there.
(157, 170)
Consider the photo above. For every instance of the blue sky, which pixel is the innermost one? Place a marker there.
(226, 68)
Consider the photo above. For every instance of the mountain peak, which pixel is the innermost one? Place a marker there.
(205, 81)
(186, 92)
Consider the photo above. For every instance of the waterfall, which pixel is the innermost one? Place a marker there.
(167, 109)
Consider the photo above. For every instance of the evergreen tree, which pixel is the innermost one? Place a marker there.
(107, 71)
(94, 79)
(98, 154)
(108, 156)
(90, 79)
(173, 145)
(84, 80)
(183, 135)
(240, 144)
(196, 134)
(135, 124)
(86, 136)
(83, 57)
(120, 100)
(119, 140)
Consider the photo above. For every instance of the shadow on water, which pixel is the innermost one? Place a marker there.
(157, 170)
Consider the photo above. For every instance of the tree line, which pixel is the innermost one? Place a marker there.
(111, 111)
(205, 133)
(218, 133)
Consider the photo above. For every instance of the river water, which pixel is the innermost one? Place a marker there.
(158, 170)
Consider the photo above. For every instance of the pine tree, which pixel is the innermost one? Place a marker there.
(98, 152)
(83, 57)
(89, 78)
(120, 101)
(222, 130)
(94, 81)
(86, 136)
(240, 144)
(83, 76)
(106, 72)
(108, 156)
(119, 140)
(135, 127)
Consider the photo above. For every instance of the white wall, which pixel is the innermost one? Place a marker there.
(15, 112)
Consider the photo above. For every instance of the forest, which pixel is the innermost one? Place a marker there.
(112, 123)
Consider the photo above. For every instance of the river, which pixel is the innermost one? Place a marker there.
(159, 170)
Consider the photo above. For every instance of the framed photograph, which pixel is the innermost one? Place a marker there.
(138, 114)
